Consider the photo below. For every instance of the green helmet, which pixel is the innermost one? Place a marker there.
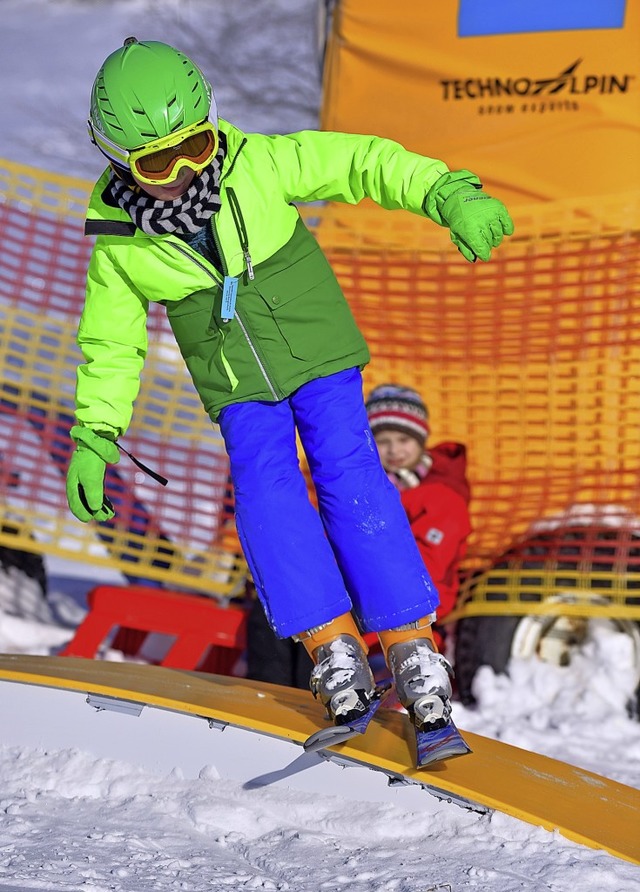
(147, 90)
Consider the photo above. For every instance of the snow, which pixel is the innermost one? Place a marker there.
(75, 822)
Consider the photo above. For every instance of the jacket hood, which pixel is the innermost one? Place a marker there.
(450, 467)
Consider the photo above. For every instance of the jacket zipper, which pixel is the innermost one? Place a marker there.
(241, 229)
(236, 315)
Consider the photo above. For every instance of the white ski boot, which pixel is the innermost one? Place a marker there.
(423, 682)
(342, 679)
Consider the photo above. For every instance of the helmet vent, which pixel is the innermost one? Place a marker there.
(101, 106)
(135, 106)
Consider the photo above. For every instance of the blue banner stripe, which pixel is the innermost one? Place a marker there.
(484, 17)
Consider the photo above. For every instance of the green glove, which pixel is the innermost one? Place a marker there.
(85, 477)
(477, 222)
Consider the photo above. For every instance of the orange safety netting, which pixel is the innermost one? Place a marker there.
(531, 360)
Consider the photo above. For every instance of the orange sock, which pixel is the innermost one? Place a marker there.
(341, 625)
(394, 636)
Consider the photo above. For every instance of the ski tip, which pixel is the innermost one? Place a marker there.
(335, 734)
(328, 737)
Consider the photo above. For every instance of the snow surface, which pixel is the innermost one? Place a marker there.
(70, 821)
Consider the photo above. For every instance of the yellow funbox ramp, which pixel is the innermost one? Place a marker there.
(253, 733)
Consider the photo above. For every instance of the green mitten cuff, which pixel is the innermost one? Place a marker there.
(101, 444)
(447, 185)
(85, 486)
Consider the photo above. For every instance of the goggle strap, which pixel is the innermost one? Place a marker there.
(109, 148)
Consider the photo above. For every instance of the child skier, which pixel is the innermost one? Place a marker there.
(199, 216)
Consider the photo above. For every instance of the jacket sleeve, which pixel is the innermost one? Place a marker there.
(319, 165)
(112, 335)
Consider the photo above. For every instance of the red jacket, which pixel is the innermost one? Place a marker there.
(437, 506)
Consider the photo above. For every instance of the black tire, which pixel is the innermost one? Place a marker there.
(23, 581)
(481, 641)
(487, 641)
(634, 703)
(28, 563)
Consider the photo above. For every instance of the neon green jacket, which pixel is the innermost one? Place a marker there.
(292, 323)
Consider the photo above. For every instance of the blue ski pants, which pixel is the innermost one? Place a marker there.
(357, 551)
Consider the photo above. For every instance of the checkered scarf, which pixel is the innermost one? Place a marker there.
(187, 213)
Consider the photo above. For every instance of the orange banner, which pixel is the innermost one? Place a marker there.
(541, 115)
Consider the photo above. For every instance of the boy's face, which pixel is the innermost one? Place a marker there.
(398, 450)
(169, 191)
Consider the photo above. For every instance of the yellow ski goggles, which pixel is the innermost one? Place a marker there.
(159, 162)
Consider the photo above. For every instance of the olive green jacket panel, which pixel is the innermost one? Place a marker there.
(292, 324)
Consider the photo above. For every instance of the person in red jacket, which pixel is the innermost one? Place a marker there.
(433, 486)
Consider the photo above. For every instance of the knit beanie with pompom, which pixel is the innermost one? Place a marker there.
(397, 408)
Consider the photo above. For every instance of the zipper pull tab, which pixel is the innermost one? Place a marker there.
(229, 295)
(247, 260)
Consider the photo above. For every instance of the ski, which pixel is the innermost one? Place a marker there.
(431, 746)
(442, 743)
(335, 734)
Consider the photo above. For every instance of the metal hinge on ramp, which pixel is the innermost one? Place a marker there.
(103, 702)
(400, 780)
(115, 704)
